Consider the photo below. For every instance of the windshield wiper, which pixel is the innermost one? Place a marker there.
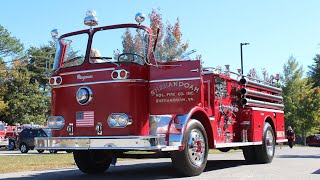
(100, 57)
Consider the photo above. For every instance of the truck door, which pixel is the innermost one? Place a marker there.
(174, 87)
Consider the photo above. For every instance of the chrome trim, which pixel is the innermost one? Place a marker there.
(102, 82)
(269, 142)
(176, 79)
(196, 147)
(209, 92)
(251, 102)
(247, 82)
(267, 110)
(55, 119)
(177, 139)
(236, 144)
(158, 123)
(90, 94)
(281, 140)
(102, 142)
(86, 71)
(116, 116)
(195, 70)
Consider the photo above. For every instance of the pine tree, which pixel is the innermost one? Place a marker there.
(314, 71)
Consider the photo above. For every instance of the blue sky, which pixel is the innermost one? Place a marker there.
(275, 29)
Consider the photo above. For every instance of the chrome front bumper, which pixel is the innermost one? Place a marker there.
(104, 142)
(4, 143)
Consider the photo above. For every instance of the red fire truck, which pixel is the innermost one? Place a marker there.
(3, 138)
(8, 135)
(111, 95)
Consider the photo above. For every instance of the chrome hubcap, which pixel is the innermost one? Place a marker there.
(196, 147)
(23, 148)
(269, 143)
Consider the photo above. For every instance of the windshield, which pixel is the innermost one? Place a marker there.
(1, 127)
(75, 50)
(119, 45)
(170, 49)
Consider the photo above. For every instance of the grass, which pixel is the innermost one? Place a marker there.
(35, 162)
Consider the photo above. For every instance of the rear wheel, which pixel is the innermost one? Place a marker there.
(193, 159)
(92, 162)
(265, 152)
(24, 148)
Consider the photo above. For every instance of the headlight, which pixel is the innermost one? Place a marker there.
(119, 120)
(56, 122)
(84, 95)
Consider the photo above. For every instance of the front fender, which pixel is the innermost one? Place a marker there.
(180, 123)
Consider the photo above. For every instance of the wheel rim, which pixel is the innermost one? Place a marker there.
(23, 148)
(269, 143)
(196, 147)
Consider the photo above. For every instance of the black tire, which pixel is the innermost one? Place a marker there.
(265, 152)
(51, 151)
(24, 148)
(187, 162)
(92, 162)
(40, 151)
(249, 154)
(224, 149)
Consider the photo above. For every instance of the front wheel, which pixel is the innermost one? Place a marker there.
(24, 148)
(193, 159)
(92, 162)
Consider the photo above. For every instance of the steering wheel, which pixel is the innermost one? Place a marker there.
(131, 54)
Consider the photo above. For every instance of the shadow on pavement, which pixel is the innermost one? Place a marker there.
(299, 156)
(161, 170)
(316, 172)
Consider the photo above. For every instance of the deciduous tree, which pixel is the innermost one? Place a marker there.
(301, 100)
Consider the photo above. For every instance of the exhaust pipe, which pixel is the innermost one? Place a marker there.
(248, 82)
(250, 102)
(271, 97)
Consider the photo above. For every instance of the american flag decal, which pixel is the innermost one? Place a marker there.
(85, 119)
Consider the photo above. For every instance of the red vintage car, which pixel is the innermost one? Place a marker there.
(313, 140)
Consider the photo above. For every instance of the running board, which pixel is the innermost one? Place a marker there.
(236, 144)
(282, 140)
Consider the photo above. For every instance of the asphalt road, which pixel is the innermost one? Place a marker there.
(297, 163)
